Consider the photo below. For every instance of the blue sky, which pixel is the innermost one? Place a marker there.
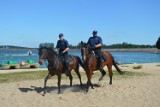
(30, 22)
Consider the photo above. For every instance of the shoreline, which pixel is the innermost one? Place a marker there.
(81, 69)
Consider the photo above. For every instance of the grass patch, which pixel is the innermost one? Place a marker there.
(157, 65)
(137, 67)
(21, 76)
(35, 75)
(127, 74)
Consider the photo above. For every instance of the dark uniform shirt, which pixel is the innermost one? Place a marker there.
(62, 45)
(93, 41)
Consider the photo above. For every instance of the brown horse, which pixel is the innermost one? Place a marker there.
(90, 64)
(55, 65)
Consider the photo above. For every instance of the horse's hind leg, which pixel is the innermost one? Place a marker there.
(79, 76)
(110, 73)
(70, 78)
(103, 74)
(45, 82)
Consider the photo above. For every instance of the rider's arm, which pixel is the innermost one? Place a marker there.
(100, 43)
(67, 47)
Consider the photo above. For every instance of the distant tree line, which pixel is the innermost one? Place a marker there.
(119, 45)
(113, 46)
(12, 47)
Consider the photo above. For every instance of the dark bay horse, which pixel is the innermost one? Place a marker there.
(90, 64)
(55, 65)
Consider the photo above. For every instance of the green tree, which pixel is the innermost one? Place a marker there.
(158, 43)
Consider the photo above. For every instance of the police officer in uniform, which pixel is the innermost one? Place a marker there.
(95, 43)
(63, 48)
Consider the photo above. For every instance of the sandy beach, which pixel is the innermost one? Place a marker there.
(137, 91)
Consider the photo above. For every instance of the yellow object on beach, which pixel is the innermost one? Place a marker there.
(22, 63)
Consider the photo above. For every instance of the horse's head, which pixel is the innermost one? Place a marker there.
(42, 55)
(85, 50)
(45, 52)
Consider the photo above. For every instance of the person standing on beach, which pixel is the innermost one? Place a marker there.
(96, 43)
(63, 48)
(29, 53)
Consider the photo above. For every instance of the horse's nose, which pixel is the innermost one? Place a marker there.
(84, 58)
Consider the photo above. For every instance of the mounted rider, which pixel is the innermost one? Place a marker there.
(63, 48)
(96, 43)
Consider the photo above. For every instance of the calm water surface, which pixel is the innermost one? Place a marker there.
(124, 57)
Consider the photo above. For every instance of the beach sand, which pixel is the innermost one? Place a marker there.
(138, 91)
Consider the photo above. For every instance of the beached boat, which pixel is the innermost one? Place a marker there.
(5, 67)
(15, 66)
(24, 65)
(35, 65)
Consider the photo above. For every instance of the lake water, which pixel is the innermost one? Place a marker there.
(124, 57)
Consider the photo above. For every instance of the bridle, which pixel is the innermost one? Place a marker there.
(84, 53)
(44, 57)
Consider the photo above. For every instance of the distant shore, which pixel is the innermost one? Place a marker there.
(150, 50)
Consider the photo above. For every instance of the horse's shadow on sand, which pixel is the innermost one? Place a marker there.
(54, 89)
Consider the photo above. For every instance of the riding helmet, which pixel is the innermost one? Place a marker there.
(95, 32)
(60, 35)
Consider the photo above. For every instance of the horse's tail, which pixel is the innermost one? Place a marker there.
(80, 61)
(117, 68)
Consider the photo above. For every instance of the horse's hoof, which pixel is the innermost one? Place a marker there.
(81, 85)
(85, 92)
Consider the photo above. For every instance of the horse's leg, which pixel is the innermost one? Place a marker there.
(70, 78)
(89, 83)
(59, 83)
(45, 82)
(110, 73)
(79, 75)
(103, 74)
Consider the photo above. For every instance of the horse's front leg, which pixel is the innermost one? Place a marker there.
(59, 83)
(45, 82)
(89, 83)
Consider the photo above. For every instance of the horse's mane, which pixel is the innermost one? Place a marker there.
(84, 44)
(46, 45)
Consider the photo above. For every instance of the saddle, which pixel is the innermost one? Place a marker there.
(69, 60)
(103, 57)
